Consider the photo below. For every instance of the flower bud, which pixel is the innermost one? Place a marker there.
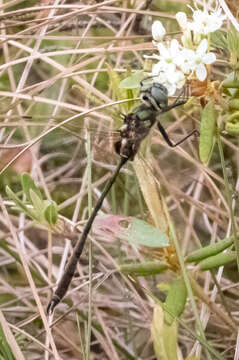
(158, 31)
(181, 18)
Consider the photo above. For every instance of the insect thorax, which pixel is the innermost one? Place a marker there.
(136, 127)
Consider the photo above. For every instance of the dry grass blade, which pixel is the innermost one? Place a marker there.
(58, 62)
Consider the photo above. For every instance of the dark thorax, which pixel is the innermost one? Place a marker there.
(136, 127)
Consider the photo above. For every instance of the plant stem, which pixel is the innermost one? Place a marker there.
(89, 323)
(229, 196)
(187, 281)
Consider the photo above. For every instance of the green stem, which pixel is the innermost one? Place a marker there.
(187, 281)
(89, 323)
(231, 84)
(229, 196)
(49, 250)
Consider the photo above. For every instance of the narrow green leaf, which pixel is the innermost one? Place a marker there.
(170, 336)
(143, 269)
(35, 273)
(27, 184)
(207, 131)
(232, 121)
(141, 233)
(219, 40)
(5, 349)
(217, 260)
(232, 128)
(38, 205)
(20, 204)
(50, 213)
(175, 300)
(14, 254)
(164, 336)
(234, 104)
(153, 198)
(209, 250)
(230, 84)
(233, 43)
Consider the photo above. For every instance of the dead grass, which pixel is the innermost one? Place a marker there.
(55, 64)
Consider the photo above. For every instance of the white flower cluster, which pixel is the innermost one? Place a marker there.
(176, 61)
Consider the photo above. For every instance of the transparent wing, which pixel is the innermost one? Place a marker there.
(64, 142)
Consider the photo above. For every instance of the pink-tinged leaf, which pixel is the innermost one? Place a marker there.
(108, 225)
(135, 231)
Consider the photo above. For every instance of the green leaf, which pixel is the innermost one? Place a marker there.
(175, 300)
(231, 84)
(232, 120)
(219, 40)
(38, 205)
(50, 213)
(27, 184)
(207, 131)
(5, 349)
(153, 198)
(132, 81)
(233, 42)
(164, 336)
(232, 128)
(209, 250)
(234, 105)
(141, 233)
(20, 204)
(217, 260)
(12, 253)
(143, 269)
(119, 93)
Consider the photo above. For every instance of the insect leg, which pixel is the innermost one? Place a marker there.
(168, 141)
(184, 94)
(146, 78)
(173, 105)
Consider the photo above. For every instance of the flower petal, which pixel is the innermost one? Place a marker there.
(209, 58)
(156, 69)
(171, 89)
(198, 15)
(174, 48)
(201, 72)
(181, 18)
(163, 50)
(202, 47)
(158, 31)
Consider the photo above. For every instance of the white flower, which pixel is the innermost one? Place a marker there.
(171, 78)
(158, 31)
(200, 58)
(188, 56)
(181, 18)
(170, 54)
(184, 24)
(205, 22)
(167, 69)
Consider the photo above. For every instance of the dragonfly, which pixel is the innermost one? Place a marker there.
(136, 127)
